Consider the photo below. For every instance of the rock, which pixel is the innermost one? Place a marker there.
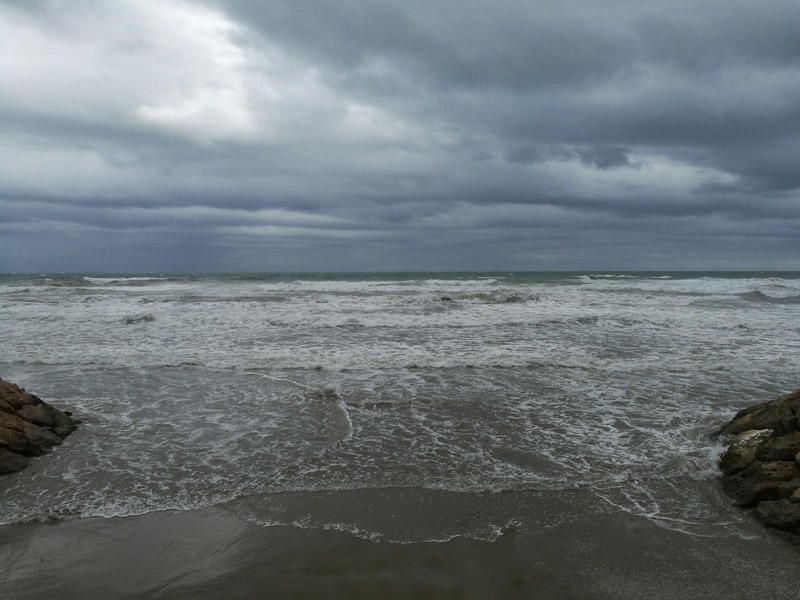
(15, 397)
(28, 427)
(780, 514)
(762, 481)
(761, 466)
(23, 437)
(11, 462)
(784, 447)
(37, 414)
(780, 415)
(742, 450)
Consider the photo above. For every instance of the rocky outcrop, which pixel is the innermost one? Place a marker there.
(28, 427)
(761, 467)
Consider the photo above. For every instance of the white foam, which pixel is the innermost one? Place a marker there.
(568, 386)
(121, 279)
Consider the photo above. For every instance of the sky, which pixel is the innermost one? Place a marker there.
(341, 135)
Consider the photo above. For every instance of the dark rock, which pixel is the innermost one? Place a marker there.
(784, 447)
(11, 462)
(760, 481)
(28, 427)
(780, 514)
(63, 424)
(772, 490)
(762, 464)
(13, 397)
(742, 450)
(780, 415)
(38, 414)
(24, 437)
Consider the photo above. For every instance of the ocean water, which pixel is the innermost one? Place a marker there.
(399, 407)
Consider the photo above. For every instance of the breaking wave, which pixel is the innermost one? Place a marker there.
(132, 319)
(759, 296)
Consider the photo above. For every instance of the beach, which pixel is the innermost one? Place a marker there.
(213, 553)
(372, 299)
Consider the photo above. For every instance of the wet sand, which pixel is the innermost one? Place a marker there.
(214, 553)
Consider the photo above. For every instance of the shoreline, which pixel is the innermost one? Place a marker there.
(215, 553)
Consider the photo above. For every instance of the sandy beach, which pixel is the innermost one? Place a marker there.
(213, 553)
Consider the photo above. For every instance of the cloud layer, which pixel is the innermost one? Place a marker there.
(355, 135)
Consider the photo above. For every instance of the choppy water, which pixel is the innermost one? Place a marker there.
(472, 392)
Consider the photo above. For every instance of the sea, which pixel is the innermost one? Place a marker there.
(397, 407)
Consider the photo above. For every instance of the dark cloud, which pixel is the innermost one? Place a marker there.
(238, 134)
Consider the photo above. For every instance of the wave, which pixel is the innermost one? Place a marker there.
(61, 281)
(596, 276)
(201, 298)
(425, 298)
(110, 280)
(499, 297)
(651, 291)
(132, 319)
(759, 296)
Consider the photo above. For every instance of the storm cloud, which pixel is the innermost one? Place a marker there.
(438, 135)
